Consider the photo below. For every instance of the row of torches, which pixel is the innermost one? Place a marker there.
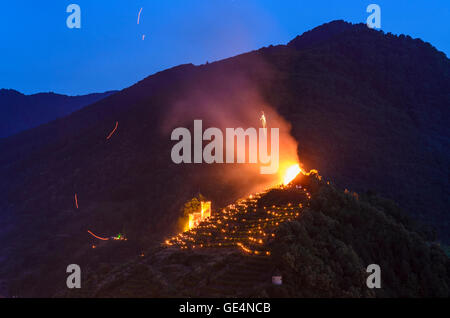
(240, 225)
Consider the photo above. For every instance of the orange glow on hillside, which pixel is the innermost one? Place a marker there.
(197, 217)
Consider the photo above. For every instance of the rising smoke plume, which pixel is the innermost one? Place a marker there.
(232, 100)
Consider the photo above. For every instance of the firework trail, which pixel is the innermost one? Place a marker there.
(114, 130)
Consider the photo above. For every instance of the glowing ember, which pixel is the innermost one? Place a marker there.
(291, 173)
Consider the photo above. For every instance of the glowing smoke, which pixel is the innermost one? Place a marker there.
(226, 98)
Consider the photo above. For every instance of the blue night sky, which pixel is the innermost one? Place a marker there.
(38, 53)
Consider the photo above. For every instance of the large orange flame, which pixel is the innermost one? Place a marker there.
(290, 174)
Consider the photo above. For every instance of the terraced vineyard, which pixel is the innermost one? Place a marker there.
(248, 224)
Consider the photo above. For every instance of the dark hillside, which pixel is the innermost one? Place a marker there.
(371, 110)
(324, 252)
(19, 112)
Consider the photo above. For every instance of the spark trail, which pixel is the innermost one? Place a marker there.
(96, 236)
(139, 15)
(114, 130)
